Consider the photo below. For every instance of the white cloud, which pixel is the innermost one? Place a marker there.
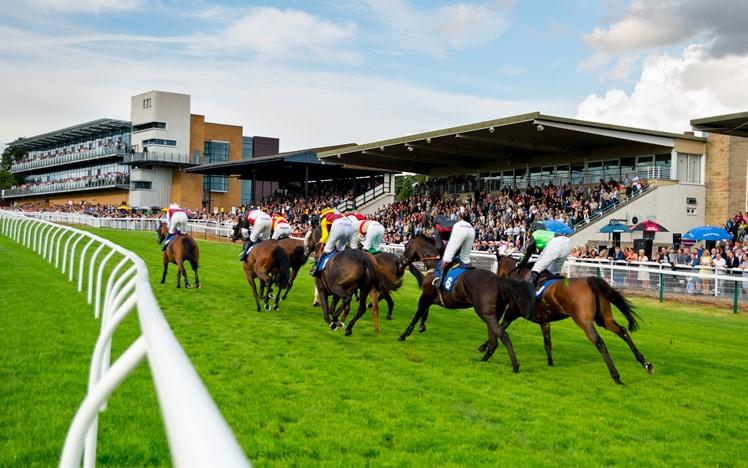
(273, 33)
(435, 31)
(673, 90)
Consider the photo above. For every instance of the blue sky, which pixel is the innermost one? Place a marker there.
(327, 72)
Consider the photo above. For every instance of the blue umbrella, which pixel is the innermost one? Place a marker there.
(614, 227)
(557, 226)
(709, 233)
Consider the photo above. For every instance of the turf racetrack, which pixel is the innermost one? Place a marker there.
(296, 393)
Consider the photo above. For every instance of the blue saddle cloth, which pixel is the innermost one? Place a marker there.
(539, 293)
(323, 261)
(452, 274)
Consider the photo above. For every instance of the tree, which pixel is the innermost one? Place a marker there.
(10, 155)
(404, 185)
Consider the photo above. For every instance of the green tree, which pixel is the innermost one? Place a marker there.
(10, 155)
(404, 185)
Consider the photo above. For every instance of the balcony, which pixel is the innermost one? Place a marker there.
(155, 158)
(122, 182)
(64, 159)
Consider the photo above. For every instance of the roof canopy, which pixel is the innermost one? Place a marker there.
(72, 134)
(293, 166)
(513, 139)
(728, 124)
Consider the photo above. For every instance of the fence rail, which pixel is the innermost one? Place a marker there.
(197, 433)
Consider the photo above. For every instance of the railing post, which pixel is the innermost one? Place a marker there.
(662, 288)
(735, 295)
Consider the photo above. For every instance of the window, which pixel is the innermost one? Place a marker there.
(577, 174)
(146, 103)
(612, 170)
(148, 126)
(562, 175)
(216, 183)
(594, 172)
(159, 141)
(247, 147)
(140, 184)
(689, 168)
(216, 151)
(662, 166)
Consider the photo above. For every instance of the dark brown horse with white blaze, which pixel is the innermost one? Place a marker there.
(182, 248)
(268, 262)
(486, 293)
(587, 301)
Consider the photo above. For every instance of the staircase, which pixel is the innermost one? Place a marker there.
(370, 201)
(613, 208)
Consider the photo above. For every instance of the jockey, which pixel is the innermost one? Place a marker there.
(281, 228)
(461, 238)
(442, 232)
(356, 220)
(177, 219)
(260, 225)
(336, 234)
(554, 249)
(373, 232)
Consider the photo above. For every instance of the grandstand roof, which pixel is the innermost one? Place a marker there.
(512, 139)
(74, 133)
(291, 166)
(727, 124)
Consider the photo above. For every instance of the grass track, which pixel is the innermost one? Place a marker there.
(297, 394)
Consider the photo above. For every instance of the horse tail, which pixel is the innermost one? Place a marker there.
(370, 274)
(388, 280)
(601, 287)
(283, 265)
(519, 294)
(417, 273)
(191, 254)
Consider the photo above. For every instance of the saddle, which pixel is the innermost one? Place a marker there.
(455, 271)
(545, 280)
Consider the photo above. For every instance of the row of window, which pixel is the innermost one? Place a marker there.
(80, 172)
(159, 141)
(119, 140)
(148, 126)
(216, 151)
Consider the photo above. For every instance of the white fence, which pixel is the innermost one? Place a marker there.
(197, 433)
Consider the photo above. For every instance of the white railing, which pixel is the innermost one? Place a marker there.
(39, 162)
(197, 433)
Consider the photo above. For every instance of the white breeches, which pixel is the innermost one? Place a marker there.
(178, 223)
(340, 235)
(374, 236)
(554, 255)
(355, 237)
(281, 230)
(461, 240)
(261, 229)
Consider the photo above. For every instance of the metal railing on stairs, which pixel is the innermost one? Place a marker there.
(198, 435)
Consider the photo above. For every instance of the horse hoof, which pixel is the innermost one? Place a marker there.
(315, 304)
(179, 287)
(649, 367)
(271, 295)
(197, 285)
(389, 317)
(482, 348)
(515, 369)
(267, 307)
(348, 332)
(187, 286)
(422, 329)
(276, 307)
(163, 281)
(333, 326)
(550, 363)
(401, 338)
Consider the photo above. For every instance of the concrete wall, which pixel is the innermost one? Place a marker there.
(666, 205)
(725, 177)
(161, 187)
(171, 108)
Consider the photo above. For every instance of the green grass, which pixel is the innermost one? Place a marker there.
(296, 393)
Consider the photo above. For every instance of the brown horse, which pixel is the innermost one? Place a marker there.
(389, 266)
(347, 273)
(587, 301)
(180, 249)
(268, 262)
(297, 256)
(420, 248)
(483, 291)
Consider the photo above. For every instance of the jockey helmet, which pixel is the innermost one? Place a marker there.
(174, 206)
(326, 212)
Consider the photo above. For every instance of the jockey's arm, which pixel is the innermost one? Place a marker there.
(325, 231)
(532, 248)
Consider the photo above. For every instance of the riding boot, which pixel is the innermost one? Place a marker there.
(245, 251)
(534, 278)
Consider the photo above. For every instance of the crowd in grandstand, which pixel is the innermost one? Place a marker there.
(78, 148)
(109, 178)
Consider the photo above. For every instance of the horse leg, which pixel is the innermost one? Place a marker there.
(546, 328)
(423, 306)
(179, 276)
(276, 306)
(495, 331)
(166, 268)
(194, 266)
(184, 274)
(361, 311)
(390, 305)
(290, 282)
(589, 329)
(325, 308)
(615, 327)
(424, 317)
(251, 281)
(375, 308)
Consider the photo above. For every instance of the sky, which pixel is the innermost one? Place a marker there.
(317, 73)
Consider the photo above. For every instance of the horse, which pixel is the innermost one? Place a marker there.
(180, 249)
(268, 262)
(346, 273)
(587, 301)
(390, 266)
(482, 290)
(297, 256)
(421, 248)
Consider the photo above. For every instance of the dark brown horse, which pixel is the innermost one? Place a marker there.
(182, 248)
(486, 293)
(347, 273)
(297, 256)
(268, 262)
(587, 301)
(420, 248)
(389, 266)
